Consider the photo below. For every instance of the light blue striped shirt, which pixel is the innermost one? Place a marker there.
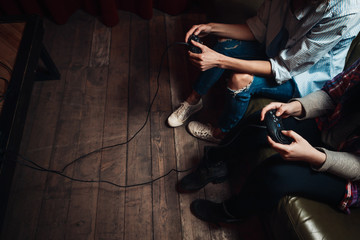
(318, 39)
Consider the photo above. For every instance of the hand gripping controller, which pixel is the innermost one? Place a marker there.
(193, 48)
(274, 126)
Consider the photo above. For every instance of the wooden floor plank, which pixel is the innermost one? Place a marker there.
(56, 201)
(166, 211)
(138, 201)
(159, 67)
(82, 209)
(187, 149)
(111, 200)
(100, 47)
(166, 208)
(58, 192)
(39, 132)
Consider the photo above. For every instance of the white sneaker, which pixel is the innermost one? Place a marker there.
(180, 115)
(202, 131)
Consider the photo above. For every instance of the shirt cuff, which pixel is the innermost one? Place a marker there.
(325, 166)
(280, 73)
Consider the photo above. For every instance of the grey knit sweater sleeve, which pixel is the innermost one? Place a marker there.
(315, 104)
(342, 164)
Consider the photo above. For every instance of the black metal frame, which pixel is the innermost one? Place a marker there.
(13, 114)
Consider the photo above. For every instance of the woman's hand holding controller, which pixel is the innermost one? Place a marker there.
(284, 110)
(199, 30)
(205, 60)
(299, 149)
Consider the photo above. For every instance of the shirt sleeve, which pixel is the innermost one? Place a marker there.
(310, 49)
(315, 104)
(342, 164)
(258, 24)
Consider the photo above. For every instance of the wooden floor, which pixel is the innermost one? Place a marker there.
(108, 79)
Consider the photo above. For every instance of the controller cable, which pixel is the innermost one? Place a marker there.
(31, 164)
(7, 68)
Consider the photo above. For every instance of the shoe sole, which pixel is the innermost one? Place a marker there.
(174, 126)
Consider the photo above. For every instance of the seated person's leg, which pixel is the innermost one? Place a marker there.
(213, 167)
(268, 184)
(238, 96)
(241, 88)
(277, 178)
(232, 48)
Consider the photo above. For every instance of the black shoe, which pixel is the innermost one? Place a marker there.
(204, 174)
(212, 212)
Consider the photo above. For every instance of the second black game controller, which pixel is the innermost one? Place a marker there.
(193, 48)
(274, 127)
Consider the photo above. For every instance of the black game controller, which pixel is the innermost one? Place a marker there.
(193, 48)
(274, 126)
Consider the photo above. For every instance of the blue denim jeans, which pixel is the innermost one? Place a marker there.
(236, 104)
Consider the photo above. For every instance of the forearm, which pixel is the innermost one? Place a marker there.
(233, 31)
(315, 104)
(254, 67)
(343, 164)
(316, 158)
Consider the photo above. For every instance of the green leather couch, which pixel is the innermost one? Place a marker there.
(294, 217)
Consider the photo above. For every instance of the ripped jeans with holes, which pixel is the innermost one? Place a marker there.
(236, 102)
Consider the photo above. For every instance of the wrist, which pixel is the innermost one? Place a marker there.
(222, 61)
(318, 158)
(298, 109)
(211, 27)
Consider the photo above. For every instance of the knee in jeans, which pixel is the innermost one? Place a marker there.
(240, 81)
(227, 44)
(220, 39)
